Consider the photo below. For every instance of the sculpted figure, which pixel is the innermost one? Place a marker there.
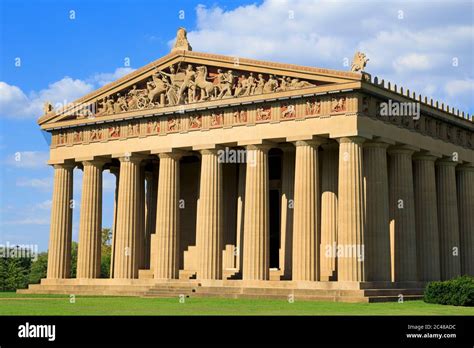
(283, 84)
(226, 84)
(206, 87)
(260, 84)
(238, 89)
(359, 62)
(109, 106)
(271, 85)
(121, 104)
(195, 121)
(157, 88)
(114, 131)
(189, 77)
(251, 84)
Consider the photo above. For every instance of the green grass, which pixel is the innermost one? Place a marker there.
(17, 304)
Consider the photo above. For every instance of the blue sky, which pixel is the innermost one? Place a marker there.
(51, 53)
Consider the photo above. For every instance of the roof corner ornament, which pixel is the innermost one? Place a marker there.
(182, 43)
(48, 108)
(359, 62)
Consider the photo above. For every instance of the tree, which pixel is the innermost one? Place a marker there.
(39, 268)
(74, 246)
(106, 253)
(13, 273)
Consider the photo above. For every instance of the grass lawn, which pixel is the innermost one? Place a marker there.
(17, 304)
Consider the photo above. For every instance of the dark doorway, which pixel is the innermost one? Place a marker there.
(274, 228)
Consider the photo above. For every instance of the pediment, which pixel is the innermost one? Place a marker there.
(186, 77)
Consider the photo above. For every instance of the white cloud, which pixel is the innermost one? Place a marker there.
(44, 183)
(28, 159)
(102, 79)
(45, 205)
(408, 43)
(15, 103)
(27, 221)
(460, 87)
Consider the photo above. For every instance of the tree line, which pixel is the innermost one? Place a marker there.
(18, 272)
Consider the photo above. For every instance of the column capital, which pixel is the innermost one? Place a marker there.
(424, 157)
(67, 165)
(402, 149)
(446, 162)
(176, 155)
(465, 167)
(262, 147)
(131, 157)
(376, 144)
(354, 139)
(313, 143)
(97, 162)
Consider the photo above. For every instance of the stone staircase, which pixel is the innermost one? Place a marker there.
(192, 288)
(361, 295)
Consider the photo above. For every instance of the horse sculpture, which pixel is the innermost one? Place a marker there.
(158, 90)
(206, 87)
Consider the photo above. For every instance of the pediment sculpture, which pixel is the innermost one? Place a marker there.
(177, 84)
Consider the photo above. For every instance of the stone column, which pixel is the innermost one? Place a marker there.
(465, 190)
(426, 217)
(240, 216)
(209, 224)
(329, 181)
(256, 217)
(150, 211)
(90, 225)
(306, 210)
(115, 171)
(287, 205)
(377, 240)
(351, 221)
(167, 218)
(59, 253)
(126, 253)
(448, 219)
(402, 215)
(141, 216)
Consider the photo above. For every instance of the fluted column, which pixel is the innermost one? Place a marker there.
(240, 216)
(465, 190)
(141, 216)
(167, 218)
(210, 217)
(59, 253)
(306, 210)
(351, 222)
(448, 219)
(150, 211)
(127, 250)
(426, 217)
(329, 182)
(287, 205)
(116, 172)
(256, 217)
(402, 215)
(90, 225)
(377, 241)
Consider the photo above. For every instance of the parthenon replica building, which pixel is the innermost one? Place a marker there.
(238, 177)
